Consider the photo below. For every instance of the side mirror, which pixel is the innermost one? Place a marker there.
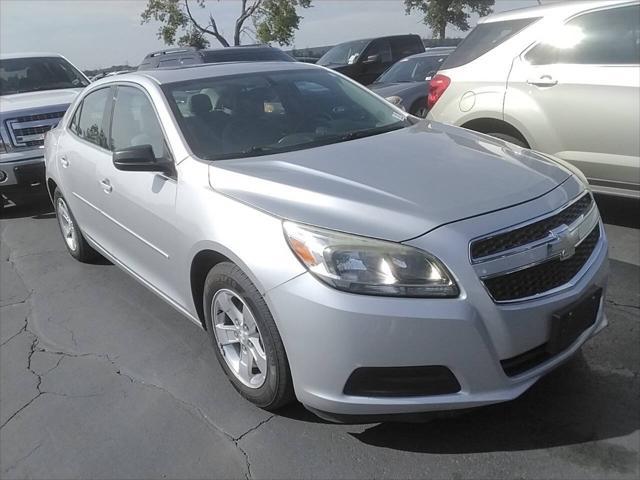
(371, 59)
(140, 159)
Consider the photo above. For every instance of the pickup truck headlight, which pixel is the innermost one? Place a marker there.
(367, 266)
(3, 147)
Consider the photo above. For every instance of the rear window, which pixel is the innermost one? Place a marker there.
(483, 38)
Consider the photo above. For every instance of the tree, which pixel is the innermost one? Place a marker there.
(440, 13)
(274, 20)
(278, 19)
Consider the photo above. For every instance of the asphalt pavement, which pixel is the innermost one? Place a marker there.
(101, 379)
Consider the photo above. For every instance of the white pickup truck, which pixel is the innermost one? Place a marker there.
(35, 91)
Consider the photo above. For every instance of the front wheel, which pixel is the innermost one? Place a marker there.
(76, 244)
(245, 338)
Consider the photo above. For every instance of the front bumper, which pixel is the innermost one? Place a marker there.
(328, 334)
(25, 174)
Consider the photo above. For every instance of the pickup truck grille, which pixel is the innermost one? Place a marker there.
(530, 233)
(542, 277)
(29, 130)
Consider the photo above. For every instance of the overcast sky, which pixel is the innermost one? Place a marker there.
(101, 33)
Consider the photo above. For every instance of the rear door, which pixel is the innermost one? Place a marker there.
(79, 153)
(583, 81)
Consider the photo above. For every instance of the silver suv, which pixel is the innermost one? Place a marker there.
(333, 247)
(562, 79)
(35, 91)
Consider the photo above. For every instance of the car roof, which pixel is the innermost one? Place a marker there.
(376, 38)
(207, 70)
(432, 53)
(9, 56)
(561, 8)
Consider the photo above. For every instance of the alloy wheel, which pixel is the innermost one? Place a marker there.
(238, 338)
(67, 226)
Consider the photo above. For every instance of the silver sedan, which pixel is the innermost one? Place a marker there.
(336, 249)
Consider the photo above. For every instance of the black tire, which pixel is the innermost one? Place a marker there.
(508, 138)
(419, 108)
(83, 252)
(277, 389)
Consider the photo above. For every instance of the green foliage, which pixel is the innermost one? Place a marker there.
(274, 20)
(277, 20)
(440, 13)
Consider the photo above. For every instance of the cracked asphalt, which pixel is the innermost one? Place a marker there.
(101, 379)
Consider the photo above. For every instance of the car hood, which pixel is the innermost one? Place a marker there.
(388, 89)
(44, 98)
(393, 186)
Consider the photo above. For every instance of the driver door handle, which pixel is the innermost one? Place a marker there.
(64, 162)
(106, 185)
(543, 81)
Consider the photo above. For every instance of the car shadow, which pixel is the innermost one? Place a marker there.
(38, 209)
(624, 212)
(572, 405)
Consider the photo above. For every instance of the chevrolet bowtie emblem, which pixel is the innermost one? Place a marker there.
(563, 244)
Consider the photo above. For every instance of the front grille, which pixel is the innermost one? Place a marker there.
(525, 361)
(29, 130)
(39, 116)
(544, 276)
(532, 232)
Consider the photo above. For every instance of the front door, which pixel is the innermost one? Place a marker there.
(140, 206)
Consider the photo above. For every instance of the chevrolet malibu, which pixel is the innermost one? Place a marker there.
(336, 249)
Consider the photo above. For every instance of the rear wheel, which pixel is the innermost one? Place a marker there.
(71, 234)
(508, 138)
(245, 338)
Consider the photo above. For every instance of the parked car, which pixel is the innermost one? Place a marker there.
(365, 60)
(406, 83)
(35, 91)
(175, 57)
(562, 78)
(335, 249)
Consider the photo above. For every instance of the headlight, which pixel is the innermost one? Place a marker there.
(367, 266)
(3, 147)
(396, 100)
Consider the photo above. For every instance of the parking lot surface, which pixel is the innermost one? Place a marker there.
(101, 379)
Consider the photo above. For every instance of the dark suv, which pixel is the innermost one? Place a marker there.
(365, 60)
(176, 57)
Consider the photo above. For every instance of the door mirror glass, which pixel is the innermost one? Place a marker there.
(140, 158)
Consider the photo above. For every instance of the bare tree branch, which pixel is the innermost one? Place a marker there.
(213, 25)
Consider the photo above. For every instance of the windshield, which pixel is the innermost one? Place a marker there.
(344, 54)
(20, 75)
(415, 69)
(263, 113)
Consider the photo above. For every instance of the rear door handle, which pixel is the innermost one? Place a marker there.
(64, 162)
(106, 185)
(543, 81)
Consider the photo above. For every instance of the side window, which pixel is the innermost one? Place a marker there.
(404, 46)
(379, 47)
(90, 126)
(135, 122)
(607, 37)
(73, 124)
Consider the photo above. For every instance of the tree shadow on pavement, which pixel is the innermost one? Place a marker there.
(572, 405)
